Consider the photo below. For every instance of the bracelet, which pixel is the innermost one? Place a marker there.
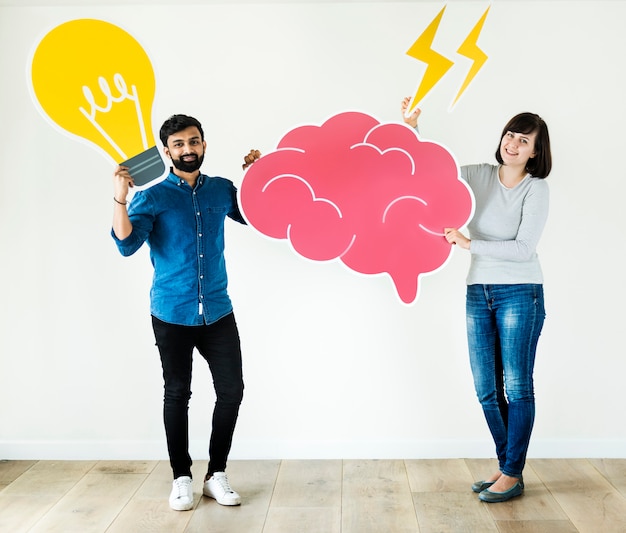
(117, 201)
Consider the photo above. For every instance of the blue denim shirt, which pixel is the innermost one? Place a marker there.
(184, 229)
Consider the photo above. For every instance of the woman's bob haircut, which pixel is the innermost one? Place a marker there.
(540, 165)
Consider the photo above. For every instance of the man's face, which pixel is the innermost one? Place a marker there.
(186, 149)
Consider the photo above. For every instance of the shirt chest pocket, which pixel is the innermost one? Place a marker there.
(214, 219)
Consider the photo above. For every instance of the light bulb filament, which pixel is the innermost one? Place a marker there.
(124, 94)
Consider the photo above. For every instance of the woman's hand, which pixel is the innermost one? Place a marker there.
(411, 120)
(454, 236)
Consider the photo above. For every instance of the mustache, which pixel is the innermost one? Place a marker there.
(188, 162)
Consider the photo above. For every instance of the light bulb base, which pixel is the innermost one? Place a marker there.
(146, 166)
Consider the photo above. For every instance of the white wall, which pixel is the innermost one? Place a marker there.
(335, 366)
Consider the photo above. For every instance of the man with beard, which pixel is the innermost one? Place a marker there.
(182, 220)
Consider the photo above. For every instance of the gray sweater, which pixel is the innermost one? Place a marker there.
(506, 227)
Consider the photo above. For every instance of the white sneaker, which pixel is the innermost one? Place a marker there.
(181, 497)
(218, 488)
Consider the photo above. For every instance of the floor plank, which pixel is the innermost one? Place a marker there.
(430, 475)
(149, 510)
(532, 526)
(91, 505)
(309, 519)
(11, 470)
(125, 467)
(36, 491)
(377, 497)
(443, 498)
(614, 470)
(536, 504)
(452, 512)
(254, 481)
(591, 502)
(330, 496)
(308, 484)
(307, 497)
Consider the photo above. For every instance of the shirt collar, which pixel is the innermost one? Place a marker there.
(179, 181)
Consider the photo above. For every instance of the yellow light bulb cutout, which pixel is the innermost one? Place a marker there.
(95, 81)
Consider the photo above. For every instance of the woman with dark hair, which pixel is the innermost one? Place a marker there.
(504, 301)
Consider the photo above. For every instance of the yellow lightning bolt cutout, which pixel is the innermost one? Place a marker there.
(438, 65)
(470, 49)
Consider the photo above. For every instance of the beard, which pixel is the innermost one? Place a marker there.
(188, 166)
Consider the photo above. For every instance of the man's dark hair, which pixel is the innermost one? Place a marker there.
(177, 123)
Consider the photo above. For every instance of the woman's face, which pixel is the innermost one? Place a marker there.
(517, 148)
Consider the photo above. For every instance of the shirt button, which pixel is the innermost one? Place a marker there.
(198, 213)
(199, 234)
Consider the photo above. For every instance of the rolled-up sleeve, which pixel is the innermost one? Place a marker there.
(142, 216)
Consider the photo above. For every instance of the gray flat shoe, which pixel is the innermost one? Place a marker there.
(497, 497)
(479, 486)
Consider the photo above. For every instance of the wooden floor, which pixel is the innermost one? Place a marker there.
(349, 496)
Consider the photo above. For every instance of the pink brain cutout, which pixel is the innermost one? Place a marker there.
(373, 195)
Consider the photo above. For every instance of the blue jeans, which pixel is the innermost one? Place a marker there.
(218, 343)
(503, 327)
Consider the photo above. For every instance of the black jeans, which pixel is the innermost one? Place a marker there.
(219, 344)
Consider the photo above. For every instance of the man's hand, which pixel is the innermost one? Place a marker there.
(122, 181)
(251, 158)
